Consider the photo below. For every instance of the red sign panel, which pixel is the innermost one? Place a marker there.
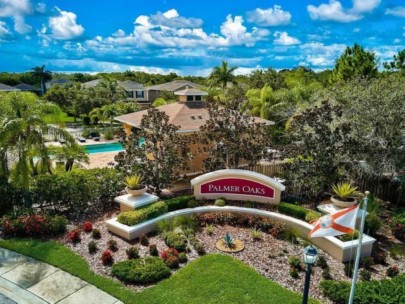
(237, 186)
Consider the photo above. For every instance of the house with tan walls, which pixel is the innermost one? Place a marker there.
(189, 113)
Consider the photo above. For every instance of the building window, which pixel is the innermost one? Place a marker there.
(198, 98)
(130, 94)
(139, 94)
(190, 98)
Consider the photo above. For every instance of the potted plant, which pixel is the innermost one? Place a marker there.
(344, 194)
(134, 186)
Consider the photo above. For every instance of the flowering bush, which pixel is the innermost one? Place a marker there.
(87, 227)
(74, 236)
(33, 225)
(107, 258)
(168, 253)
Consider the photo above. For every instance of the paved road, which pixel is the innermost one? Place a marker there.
(24, 280)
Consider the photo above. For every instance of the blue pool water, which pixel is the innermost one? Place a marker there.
(100, 148)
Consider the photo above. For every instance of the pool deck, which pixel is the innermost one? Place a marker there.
(100, 160)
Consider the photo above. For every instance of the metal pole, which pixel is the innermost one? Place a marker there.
(306, 287)
(356, 264)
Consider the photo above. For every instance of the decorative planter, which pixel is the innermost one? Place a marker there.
(136, 192)
(340, 203)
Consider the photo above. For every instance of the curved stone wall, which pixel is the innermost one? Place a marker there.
(343, 251)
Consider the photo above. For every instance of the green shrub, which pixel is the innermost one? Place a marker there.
(210, 229)
(392, 271)
(153, 251)
(86, 133)
(294, 273)
(256, 233)
(373, 223)
(298, 212)
(132, 253)
(172, 262)
(108, 134)
(92, 246)
(326, 274)
(77, 190)
(192, 203)
(398, 226)
(291, 234)
(386, 291)
(112, 245)
(321, 262)
(182, 257)
(96, 234)
(178, 203)
(348, 269)
(295, 262)
(365, 275)
(398, 250)
(220, 202)
(175, 240)
(135, 217)
(143, 239)
(366, 262)
(349, 236)
(312, 216)
(141, 271)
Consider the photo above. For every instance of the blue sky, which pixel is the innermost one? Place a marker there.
(190, 37)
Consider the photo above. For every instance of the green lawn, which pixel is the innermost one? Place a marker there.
(208, 280)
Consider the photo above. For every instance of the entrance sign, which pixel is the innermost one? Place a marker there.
(235, 184)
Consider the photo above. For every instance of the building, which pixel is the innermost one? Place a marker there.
(27, 88)
(61, 81)
(189, 114)
(134, 90)
(154, 92)
(7, 88)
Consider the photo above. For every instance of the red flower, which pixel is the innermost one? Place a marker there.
(87, 227)
(74, 236)
(106, 257)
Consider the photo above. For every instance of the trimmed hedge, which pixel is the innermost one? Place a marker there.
(386, 291)
(298, 211)
(141, 271)
(179, 202)
(131, 218)
(175, 240)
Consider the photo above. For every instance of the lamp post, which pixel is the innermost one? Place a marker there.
(310, 256)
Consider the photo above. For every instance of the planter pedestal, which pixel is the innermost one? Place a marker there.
(129, 202)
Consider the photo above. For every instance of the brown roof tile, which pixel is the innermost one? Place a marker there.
(189, 116)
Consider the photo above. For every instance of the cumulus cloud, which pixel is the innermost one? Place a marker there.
(171, 30)
(282, 38)
(4, 31)
(398, 11)
(319, 55)
(17, 9)
(333, 11)
(64, 26)
(365, 6)
(272, 16)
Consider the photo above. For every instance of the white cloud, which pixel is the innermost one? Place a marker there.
(40, 8)
(269, 17)
(317, 54)
(4, 31)
(17, 9)
(333, 11)
(397, 40)
(91, 65)
(64, 26)
(282, 38)
(236, 33)
(365, 6)
(179, 32)
(398, 11)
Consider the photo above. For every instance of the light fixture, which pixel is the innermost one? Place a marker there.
(310, 255)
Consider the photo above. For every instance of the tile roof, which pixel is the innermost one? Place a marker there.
(189, 116)
(127, 85)
(173, 85)
(4, 87)
(191, 92)
(25, 87)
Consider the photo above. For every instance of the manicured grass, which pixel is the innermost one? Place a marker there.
(208, 280)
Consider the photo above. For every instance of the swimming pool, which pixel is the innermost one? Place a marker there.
(100, 148)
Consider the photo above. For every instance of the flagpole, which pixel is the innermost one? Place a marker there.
(356, 264)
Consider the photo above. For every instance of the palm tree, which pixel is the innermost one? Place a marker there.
(42, 75)
(23, 132)
(113, 92)
(70, 154)
(222, 75)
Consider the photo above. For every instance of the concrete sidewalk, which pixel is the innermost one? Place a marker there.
(24, 280)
